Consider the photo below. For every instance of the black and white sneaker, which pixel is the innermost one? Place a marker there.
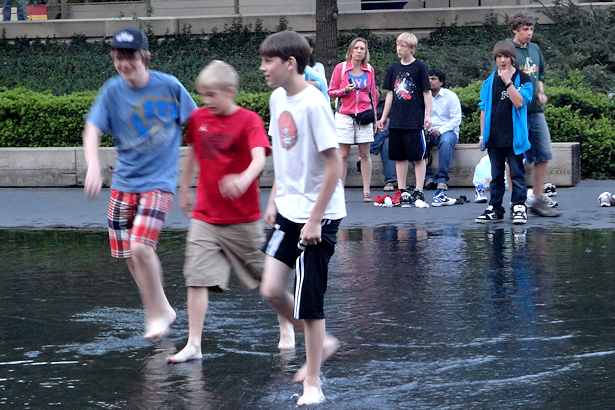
(549, 189)
(519, 214)
(489, 216)
(418, 199)
(405, 199)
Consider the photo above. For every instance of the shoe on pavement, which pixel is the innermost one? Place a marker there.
(479, 195)
(397, 198)
(605, 199)
(405, 199)
(384, 201)
(389, 186)
(519, 214)
(549, 189)
(551, 203)
(540, 206)
(418, 199)
(489, 216)
(440, 199)
(429, 184)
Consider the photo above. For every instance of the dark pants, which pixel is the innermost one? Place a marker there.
(498, 158)
(380, 145)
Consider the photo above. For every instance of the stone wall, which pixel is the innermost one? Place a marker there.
(65, 167)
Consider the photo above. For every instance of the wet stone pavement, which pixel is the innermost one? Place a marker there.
(433, 312)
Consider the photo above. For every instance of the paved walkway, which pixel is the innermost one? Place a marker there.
(67, 207)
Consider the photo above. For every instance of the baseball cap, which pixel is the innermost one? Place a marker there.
(130, 38)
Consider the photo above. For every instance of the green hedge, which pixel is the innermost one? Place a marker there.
(574, 113)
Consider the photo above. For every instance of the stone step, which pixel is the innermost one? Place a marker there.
(65, 167)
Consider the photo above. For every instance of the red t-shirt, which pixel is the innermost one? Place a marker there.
(222, 145)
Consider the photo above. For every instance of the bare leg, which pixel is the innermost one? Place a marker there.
(287, 333)
(274, 289)
(345, 153)
(274, 285)
(198, 299)
(330, 346)
(402, 173)
(314, 339)
(145, 268)
(366, 165)
(420, 167)
(540, 173)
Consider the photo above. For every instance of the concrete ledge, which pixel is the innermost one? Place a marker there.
(65, 167)
(564, 169)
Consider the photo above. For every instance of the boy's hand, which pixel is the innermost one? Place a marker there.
(270, 214)
(542, 98)
(186, 202)
(382, 124)
(93, 181)
(505, 76)
(427, 122)
(480, 143)
(233, 186)
(311, 233)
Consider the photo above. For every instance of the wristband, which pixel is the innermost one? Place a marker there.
(509, 84)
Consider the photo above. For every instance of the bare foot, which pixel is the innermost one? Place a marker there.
(190, 352)
(330, 346)
(287, 335)
(311, 395)
(157, 328)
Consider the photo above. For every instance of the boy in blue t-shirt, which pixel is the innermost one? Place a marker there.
(143, 110)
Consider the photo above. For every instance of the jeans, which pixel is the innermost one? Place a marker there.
(21, 9)
(446, 144)
(540, 138)
(380, 145)
(498, 158)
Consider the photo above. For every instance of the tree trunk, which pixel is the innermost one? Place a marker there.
(326, 34)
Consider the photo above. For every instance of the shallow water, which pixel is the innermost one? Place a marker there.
(447, 319)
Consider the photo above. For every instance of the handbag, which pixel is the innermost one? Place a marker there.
(364, 117)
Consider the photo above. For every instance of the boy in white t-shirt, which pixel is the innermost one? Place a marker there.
(306, 203)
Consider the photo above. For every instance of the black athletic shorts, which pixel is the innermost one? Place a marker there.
(311, 263)
(407, 145)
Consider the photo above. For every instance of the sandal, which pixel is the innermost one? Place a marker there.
(367, 197)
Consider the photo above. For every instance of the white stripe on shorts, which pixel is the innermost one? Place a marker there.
(300, 272)
(275, 241)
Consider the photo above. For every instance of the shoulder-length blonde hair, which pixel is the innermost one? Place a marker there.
(352, 44)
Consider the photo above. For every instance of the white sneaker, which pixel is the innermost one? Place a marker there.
(605, 199)
(479, 195)
(519, 214)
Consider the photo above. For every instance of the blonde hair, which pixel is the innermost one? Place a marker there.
(218, 74)
(351, 47)
(408, 39)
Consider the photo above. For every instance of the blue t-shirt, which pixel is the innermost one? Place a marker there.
(146, 127)
(359, 81)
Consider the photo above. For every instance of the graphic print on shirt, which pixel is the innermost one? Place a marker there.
(504, 95)
(529, 67)
(154, 123)
(359, 81)
(288, 130)
(212, 144)
(404, 87)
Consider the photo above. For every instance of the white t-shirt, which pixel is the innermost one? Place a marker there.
(301, 127)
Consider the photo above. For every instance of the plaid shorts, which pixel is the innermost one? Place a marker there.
(136, 217)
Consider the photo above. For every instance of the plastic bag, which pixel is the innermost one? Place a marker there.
(482, 173)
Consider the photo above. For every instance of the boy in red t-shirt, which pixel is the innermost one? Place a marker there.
(230, 145)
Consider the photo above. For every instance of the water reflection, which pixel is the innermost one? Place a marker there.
(492, 318)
